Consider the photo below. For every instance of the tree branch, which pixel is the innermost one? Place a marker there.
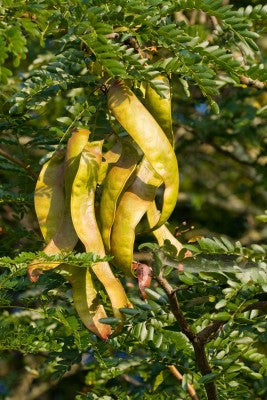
(206, 333)
(15, 160)
(179, 377)
(251, 82)
(259, 305)
(175, 307)
(199, 347)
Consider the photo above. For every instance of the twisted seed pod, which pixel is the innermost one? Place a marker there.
(132, 206)
(84, 220)
(139, 198)
(110, 157)
(162, 233)
(49, 196)
(149, 136)
(113, 186)
(65, 237)
(160, 107)
(85, 300)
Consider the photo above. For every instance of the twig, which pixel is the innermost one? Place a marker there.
(113, 35)
(175, 307)
(199, 347)
(15, 160)
(259, 305)
(179, 377)
(141, 257)
(131, 380)
(206, 333)
(251, 82)
(227, 153)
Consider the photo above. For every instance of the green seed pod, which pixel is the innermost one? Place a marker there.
(132, 206)
(163, 232)
(113, 186)
(160, 107)
(86, 300)
(65, 237)
(149, 136)
(84, 221)
(110, 157)
(49, 196)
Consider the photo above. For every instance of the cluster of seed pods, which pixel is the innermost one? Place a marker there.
(65, 201)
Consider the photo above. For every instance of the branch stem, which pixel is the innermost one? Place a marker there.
(198, 345)
(179, 377)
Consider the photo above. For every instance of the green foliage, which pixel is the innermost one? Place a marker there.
(43, 320)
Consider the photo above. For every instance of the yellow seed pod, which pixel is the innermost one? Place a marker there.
(113, 186)
(163, 232)
(86, 300)
(65, 237)
(146, 132)
(160, 107)
(49, 196)
(132, 207)
(84, 220)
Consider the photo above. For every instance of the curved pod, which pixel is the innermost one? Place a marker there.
(109, 158)
(133, 205)
(149, 136)
(84, 220)
(65, 237)
(49, 196)
(163, 232)
(85, 300)
(160, 107)
(114, 184)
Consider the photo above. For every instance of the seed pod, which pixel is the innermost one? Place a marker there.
(132, 206)
(149, 136)
(110, 157)
(49, 196)
(84, 220)
(163, 232)
(113, 186)
(65, 238)
(160, 107)
(86, 301)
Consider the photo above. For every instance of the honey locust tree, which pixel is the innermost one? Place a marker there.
(131, 293)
